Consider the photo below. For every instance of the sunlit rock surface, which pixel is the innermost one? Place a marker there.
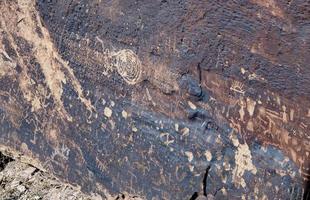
(143, 96)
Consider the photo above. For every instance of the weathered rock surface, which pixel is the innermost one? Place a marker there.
(144, 96)
(23, 181)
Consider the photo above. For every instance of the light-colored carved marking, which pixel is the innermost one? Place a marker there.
(185, 131)
(292, 111)
(167, 140)
(125, 62)
(242, 70)
(178, 175)
(241, 111)
(278, 100)
(234, 139)
(128, 66)
(56, 71)
(134, 129)
(208, 155)
(254, 76)
(100, 165)
(250, 126)
(303, 125)
(176, 127)
(250, 106)
(191, 168)
(192, 105)
(124, 114)
(243, 161)
(271, 6)
(273, 114)
(107, 112)
(284, 114)
(63, 152)
(189, 155)
(112, 124)
(238, 87)
(6, 66)
(271, 126)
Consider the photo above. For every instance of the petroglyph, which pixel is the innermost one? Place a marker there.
(189, 155)
(238, 87)
(269, 116)
(56, 71)
(128, 66)
(123, 61)
(167, 138)
(7, 65)
(243, 161)
(271, 6)
(126, 142)
(208, 155)
(107, 112)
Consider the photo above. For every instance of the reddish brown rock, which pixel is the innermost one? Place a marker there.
(143, 96)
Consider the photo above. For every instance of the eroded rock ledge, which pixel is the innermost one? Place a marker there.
(23, 181)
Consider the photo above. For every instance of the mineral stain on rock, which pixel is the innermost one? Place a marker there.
(142, 97)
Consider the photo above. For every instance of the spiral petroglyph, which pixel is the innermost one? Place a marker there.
(108, 59)
(128, 66)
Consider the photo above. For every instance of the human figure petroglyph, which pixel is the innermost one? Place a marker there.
(274, 119)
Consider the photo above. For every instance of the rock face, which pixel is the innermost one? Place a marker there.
(22, 181)
(19, 180)
(144, 96)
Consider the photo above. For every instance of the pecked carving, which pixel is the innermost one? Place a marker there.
(128, 66)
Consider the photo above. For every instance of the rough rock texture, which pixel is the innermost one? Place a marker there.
(144, 96)
(23, 181)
